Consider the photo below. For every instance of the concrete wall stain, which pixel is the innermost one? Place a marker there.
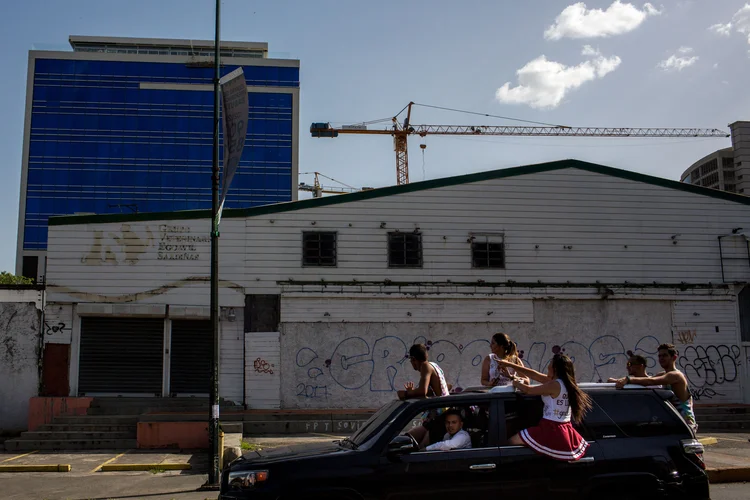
(135, 297)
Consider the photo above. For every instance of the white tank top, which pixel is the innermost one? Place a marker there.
(497, 373)
(443, 383)
(557, 409)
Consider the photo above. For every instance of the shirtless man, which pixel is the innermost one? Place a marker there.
(432, 383)
(671, 378)
(431, 377)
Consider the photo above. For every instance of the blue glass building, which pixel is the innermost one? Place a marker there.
(125, 125)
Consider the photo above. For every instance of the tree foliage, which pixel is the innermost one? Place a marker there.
(11, 279)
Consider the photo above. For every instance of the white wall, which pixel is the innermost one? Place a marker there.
(617, 230)
(20, 325)
(263, 370)
(231, 363)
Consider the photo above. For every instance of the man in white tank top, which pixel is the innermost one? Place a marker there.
(432, 382)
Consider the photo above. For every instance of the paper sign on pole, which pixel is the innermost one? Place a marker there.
(234, 121)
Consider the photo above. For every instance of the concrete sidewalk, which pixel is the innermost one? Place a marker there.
(727, 456)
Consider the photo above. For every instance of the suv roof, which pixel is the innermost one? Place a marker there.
(508, 389)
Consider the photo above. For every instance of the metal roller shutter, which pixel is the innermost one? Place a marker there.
(190, 357)
(121, 355)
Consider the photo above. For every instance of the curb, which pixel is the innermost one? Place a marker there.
(728, 475)
(143, 467)
(35, 468)
(707, 441)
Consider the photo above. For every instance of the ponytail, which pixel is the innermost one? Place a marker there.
(580, 402)
(510, 347)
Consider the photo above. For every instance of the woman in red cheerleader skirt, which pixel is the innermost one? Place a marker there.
(564, 401)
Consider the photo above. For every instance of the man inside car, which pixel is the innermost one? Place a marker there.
(456, 438)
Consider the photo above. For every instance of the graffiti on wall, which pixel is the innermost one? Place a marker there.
(707, 368)
(260, 365)
(381, 365)
(685, 337)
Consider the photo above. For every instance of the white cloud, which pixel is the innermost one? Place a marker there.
(721, 29)
(677, 63)
(588, 50)
(576, 21)
(685, 50)
(544, 84)
(740, 22)
(716, 65)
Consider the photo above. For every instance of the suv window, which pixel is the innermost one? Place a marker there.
(634, 415)
(612, 415)
(476, 418)
(376, 422)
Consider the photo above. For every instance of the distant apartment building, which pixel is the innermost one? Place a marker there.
(727, 169)
(124, 125)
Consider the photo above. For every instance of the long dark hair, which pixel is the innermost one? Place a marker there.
(511, 350)
(580, 402)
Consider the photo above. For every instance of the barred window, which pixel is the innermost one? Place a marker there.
(404, 250)
(319, 248)
(487, 251)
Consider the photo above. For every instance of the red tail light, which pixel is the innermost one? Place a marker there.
(694, 448)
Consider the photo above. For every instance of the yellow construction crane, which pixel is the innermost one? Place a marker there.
(317, 190)
(402, 130)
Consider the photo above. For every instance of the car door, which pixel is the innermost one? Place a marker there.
(448, 475)
(526, 474)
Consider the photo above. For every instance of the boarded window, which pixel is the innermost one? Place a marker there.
(319, 248)
(404, 250)
(487, 252)
(29, 266)
(743, 301)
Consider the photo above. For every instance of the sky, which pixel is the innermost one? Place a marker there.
(676, 63)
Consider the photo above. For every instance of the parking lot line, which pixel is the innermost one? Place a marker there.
(96, 469)
(731, 439)
(35, 468)
(19, 456)
(144, 467)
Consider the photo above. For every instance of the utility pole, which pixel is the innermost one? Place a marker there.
(214, 477)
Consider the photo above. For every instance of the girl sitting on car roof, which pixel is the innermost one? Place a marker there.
(564, 402)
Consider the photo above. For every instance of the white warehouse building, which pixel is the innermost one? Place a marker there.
(321, 299)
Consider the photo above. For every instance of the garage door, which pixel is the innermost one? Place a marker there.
(121, 356)
(190, 358)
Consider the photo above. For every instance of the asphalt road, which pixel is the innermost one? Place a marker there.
(177, 487)
(730, 491)
(100, 487)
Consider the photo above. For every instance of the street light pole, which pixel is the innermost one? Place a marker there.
(213, 423)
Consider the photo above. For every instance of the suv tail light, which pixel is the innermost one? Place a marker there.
(694, 448)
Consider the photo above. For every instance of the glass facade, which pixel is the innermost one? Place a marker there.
(102, 142)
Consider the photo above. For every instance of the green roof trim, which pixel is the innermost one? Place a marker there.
(406, 188)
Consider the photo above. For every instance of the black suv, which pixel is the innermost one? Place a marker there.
(640, 448)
